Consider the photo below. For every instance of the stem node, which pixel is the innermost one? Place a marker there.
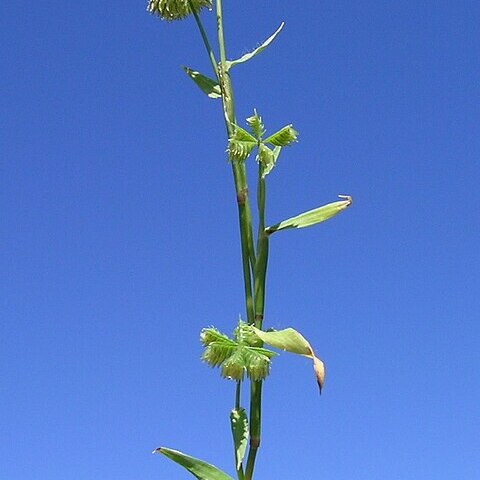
(242, 196)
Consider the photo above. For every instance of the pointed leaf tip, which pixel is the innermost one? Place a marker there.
(260, 49)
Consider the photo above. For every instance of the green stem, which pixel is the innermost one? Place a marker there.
(238, 395)
(206, 42)
(245, 216)
(239, 173)
(260, 283)
(261, 263)
(255, 427)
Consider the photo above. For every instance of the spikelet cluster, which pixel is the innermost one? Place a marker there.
(236, 357)
(176, 9)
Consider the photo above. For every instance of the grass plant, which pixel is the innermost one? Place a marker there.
(244, 357)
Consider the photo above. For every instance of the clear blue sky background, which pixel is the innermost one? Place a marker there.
(119, 239)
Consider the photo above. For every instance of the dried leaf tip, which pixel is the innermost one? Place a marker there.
(348, 198)
(319, 369)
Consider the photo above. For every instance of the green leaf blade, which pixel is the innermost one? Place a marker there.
(239, 424)
(288, 340)
(198, 468)
(208, 86)
(260, 49)
(312, 217)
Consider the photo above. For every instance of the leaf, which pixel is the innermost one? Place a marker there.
(239, 424)
(207, 85)
(294, 342)
(260, 49)
(284, 137)
(198, 468)
(288, 340)
(313, 217)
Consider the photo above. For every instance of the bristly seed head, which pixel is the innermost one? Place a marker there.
(176, 9)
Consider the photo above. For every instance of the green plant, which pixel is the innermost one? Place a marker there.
(244, 355)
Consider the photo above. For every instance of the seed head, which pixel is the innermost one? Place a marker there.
(176, 9)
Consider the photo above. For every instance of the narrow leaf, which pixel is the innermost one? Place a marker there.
(207, 85)
(313, 217)
(258, 50)
(286, 136)
(239, 424)
(198, 468)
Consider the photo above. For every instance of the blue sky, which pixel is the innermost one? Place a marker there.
(120, 239)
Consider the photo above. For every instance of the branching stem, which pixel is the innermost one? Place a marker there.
(254, 265)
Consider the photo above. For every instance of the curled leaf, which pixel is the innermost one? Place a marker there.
(290, 340)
